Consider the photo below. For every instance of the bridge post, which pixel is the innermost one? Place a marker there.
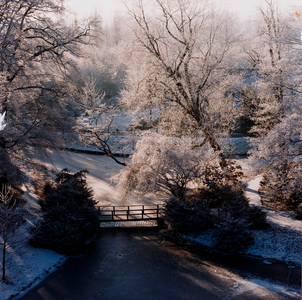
(142, 212)
(113, 212)
(157, 211)
(128, 213)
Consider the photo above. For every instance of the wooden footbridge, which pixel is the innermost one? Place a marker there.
(131, 215)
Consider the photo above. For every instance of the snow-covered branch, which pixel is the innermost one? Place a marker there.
(2, 124)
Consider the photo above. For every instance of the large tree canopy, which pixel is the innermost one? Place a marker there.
(36, 47)
(180, 67)
(273, 50)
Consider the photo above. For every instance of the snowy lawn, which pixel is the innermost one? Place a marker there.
(27, 266)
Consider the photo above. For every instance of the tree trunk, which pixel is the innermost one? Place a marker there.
(3, 260)
(209, 136)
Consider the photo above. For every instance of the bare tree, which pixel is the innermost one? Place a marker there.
(95, 124)
(36, 50)
(181, 68)
(11, 217)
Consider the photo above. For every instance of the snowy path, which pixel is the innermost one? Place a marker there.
(281, 218)
(252, 190)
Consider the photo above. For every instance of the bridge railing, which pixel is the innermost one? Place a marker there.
(130, 212)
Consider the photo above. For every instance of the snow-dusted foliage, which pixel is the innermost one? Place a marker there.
(219, 203)
(275, 104)
(279, 157)
(233, 235)
(104, 59)
(36, 50)
(274, 53)
(180, 67)
(187, 215)
(2, 124)
(96, 123)
(282, 144)
(161, 165)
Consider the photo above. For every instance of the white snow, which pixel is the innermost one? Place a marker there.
(262, 288)
(100, 168)
(27, 266)
(125, 141)
(2, 125)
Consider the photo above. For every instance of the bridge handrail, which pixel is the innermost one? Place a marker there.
(144, 210)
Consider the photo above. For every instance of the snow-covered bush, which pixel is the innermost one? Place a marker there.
(64, 231)
(70, 217)
(69, 190)
(256, 218)
(163, 165)
(279, 157)
(217, 183)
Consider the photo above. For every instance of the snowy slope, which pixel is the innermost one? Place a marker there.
(25, 265)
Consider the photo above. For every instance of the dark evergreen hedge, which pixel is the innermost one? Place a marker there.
(221, 203)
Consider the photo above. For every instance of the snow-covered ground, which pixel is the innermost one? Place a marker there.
(124, 142)
(281, 242)
(27, 266)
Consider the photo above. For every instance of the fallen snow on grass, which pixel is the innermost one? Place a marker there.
(276, 243)
(279, 243)
(25, 265)
(100, 168)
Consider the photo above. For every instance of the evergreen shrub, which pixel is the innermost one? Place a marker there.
(187, 215)
(298, 212)
(220, 203)
(233, 235)
(70, 218)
